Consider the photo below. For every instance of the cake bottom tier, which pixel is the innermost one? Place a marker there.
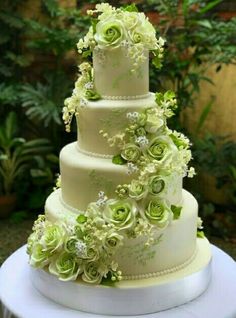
(132, 297)
(173, 248)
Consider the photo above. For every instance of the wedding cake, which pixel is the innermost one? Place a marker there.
(119, 233)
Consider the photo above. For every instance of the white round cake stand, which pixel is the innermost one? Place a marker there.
(21, 299)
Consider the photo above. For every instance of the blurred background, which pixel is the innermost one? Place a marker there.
(38, 67)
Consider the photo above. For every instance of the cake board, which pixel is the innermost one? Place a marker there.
(23, 300)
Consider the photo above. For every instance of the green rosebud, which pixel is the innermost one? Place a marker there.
(142, 118)
(92, 273)
(156, 212)
(66, 266)
(120, 213)
(156, 185)
(131, 152)
(112, 241)
(140, 132)
(137, 190)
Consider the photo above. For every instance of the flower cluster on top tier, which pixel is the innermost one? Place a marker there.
(122, 27)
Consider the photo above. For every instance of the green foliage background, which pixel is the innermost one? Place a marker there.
(38, 66)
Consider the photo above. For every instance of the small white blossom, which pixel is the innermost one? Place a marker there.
(132, 168)
(88, 85)
(199, 223)
(132, 116)
(191, 172)
(142, 141)
(81, 249)
(102, 199)
(83, 102)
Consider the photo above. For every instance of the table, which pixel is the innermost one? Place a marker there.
(21, 299)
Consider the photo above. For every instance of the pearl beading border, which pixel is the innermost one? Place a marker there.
(93, 154)
(125, 97)
(163, 272)
(69, 207)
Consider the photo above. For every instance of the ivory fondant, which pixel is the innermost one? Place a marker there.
(113, 74)
(134, 259)
(83, 176)
(109, 116)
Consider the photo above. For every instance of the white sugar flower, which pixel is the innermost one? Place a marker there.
(132, 168)
(81, 249)
(191, 172)
(83, 102)
(88, 85)
(142, 141)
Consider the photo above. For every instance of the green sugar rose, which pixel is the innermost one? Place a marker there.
(142, 118)
(160, 148)
(156, 212)
(109, 33)
(66, 266)
(112, 241)
(153, 122)
(91, 273)
(53, 238)
(39, 257)
(156, 185)
(131, 152)
(120, 213)
(137, 190)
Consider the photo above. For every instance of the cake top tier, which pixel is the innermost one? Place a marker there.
(119, 40)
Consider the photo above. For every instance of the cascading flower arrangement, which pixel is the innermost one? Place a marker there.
(85, 246)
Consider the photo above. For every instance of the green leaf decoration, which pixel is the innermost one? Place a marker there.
(92, 95)
(169, 95)
(81, 219)
(159, 98)
(130, 8)
(94, 22)
(86, 53)
(118, 160)
(200, 234)
(106, 281)
(176, 211)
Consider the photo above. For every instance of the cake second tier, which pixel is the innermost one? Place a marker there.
(109, 116)
(83, 176)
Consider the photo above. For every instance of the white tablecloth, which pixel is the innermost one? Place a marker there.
(21, 299)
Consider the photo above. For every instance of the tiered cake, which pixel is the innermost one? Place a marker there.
(119, 228)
